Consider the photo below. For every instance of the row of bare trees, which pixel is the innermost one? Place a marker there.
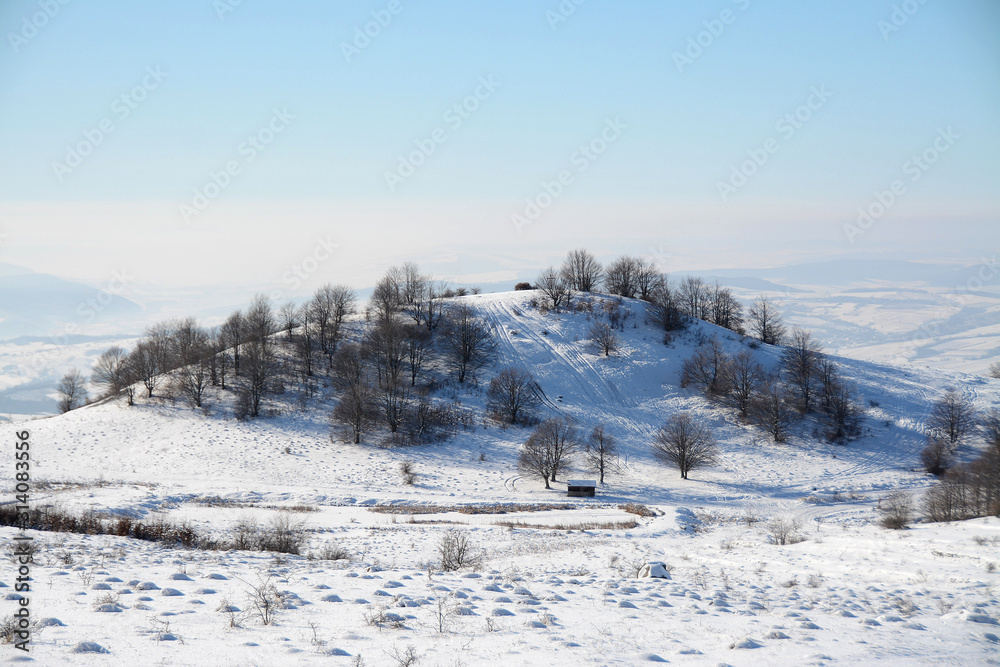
(953, 421)
(638, 277)
(410, 327)
(185, 358)
(970, 489)
(553, 444)
(807, 381)
(682, 442)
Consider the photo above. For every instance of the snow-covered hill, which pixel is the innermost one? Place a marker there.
(852, 593)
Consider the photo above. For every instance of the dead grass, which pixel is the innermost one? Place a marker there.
(216, 501)
(587, 525)
(494, 508)
(637, 509)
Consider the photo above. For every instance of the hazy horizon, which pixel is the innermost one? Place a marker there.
(729, 134)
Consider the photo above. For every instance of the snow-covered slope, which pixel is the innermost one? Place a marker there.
(852, 592)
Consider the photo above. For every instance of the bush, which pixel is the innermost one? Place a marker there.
(283, 535)
(456, 550)
(406, 468)
(513, 395)
(520, 287)
(784, 530)
(896, 510)
(604, 337)
(936, 456)
(332, 551)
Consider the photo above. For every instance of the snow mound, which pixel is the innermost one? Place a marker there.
(654, 570)
(89, 647)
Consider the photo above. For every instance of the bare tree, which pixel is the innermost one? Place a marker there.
(260, 322)
(431, 307)
(160, 337)
(232, 334)
(547, 449)
(194, 357)
(685, 443)
(725, 309)
(601, 454)
(952, 419)
(801, 361)
(743, 376)
(114, 372)
(328, 309)
(695, 297)
(355, 408)
(468, 339)
(386, 346)
(604, 337)
(145, 364)
(513, 395)
(387, 297)
(707, 368)
(417, 340)
(765, 322)
(621, 277)
(995, 370)
(306, 344)
(288, 315)
(258, 356)
(647, 278)
(843, 413)
(258, 371)
(552, 285)
(772, 410)
(412, 284)
(223, 357)
(72, 390)
(581, 271)
(663, 309)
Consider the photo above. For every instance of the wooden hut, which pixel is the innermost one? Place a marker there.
(581, 488)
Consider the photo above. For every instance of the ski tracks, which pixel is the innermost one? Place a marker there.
(591, 383)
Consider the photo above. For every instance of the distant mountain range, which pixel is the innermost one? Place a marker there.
(38, 304)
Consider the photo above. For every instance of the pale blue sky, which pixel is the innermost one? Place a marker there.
(557, 88)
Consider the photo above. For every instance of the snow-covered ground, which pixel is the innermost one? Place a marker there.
(850, 593)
